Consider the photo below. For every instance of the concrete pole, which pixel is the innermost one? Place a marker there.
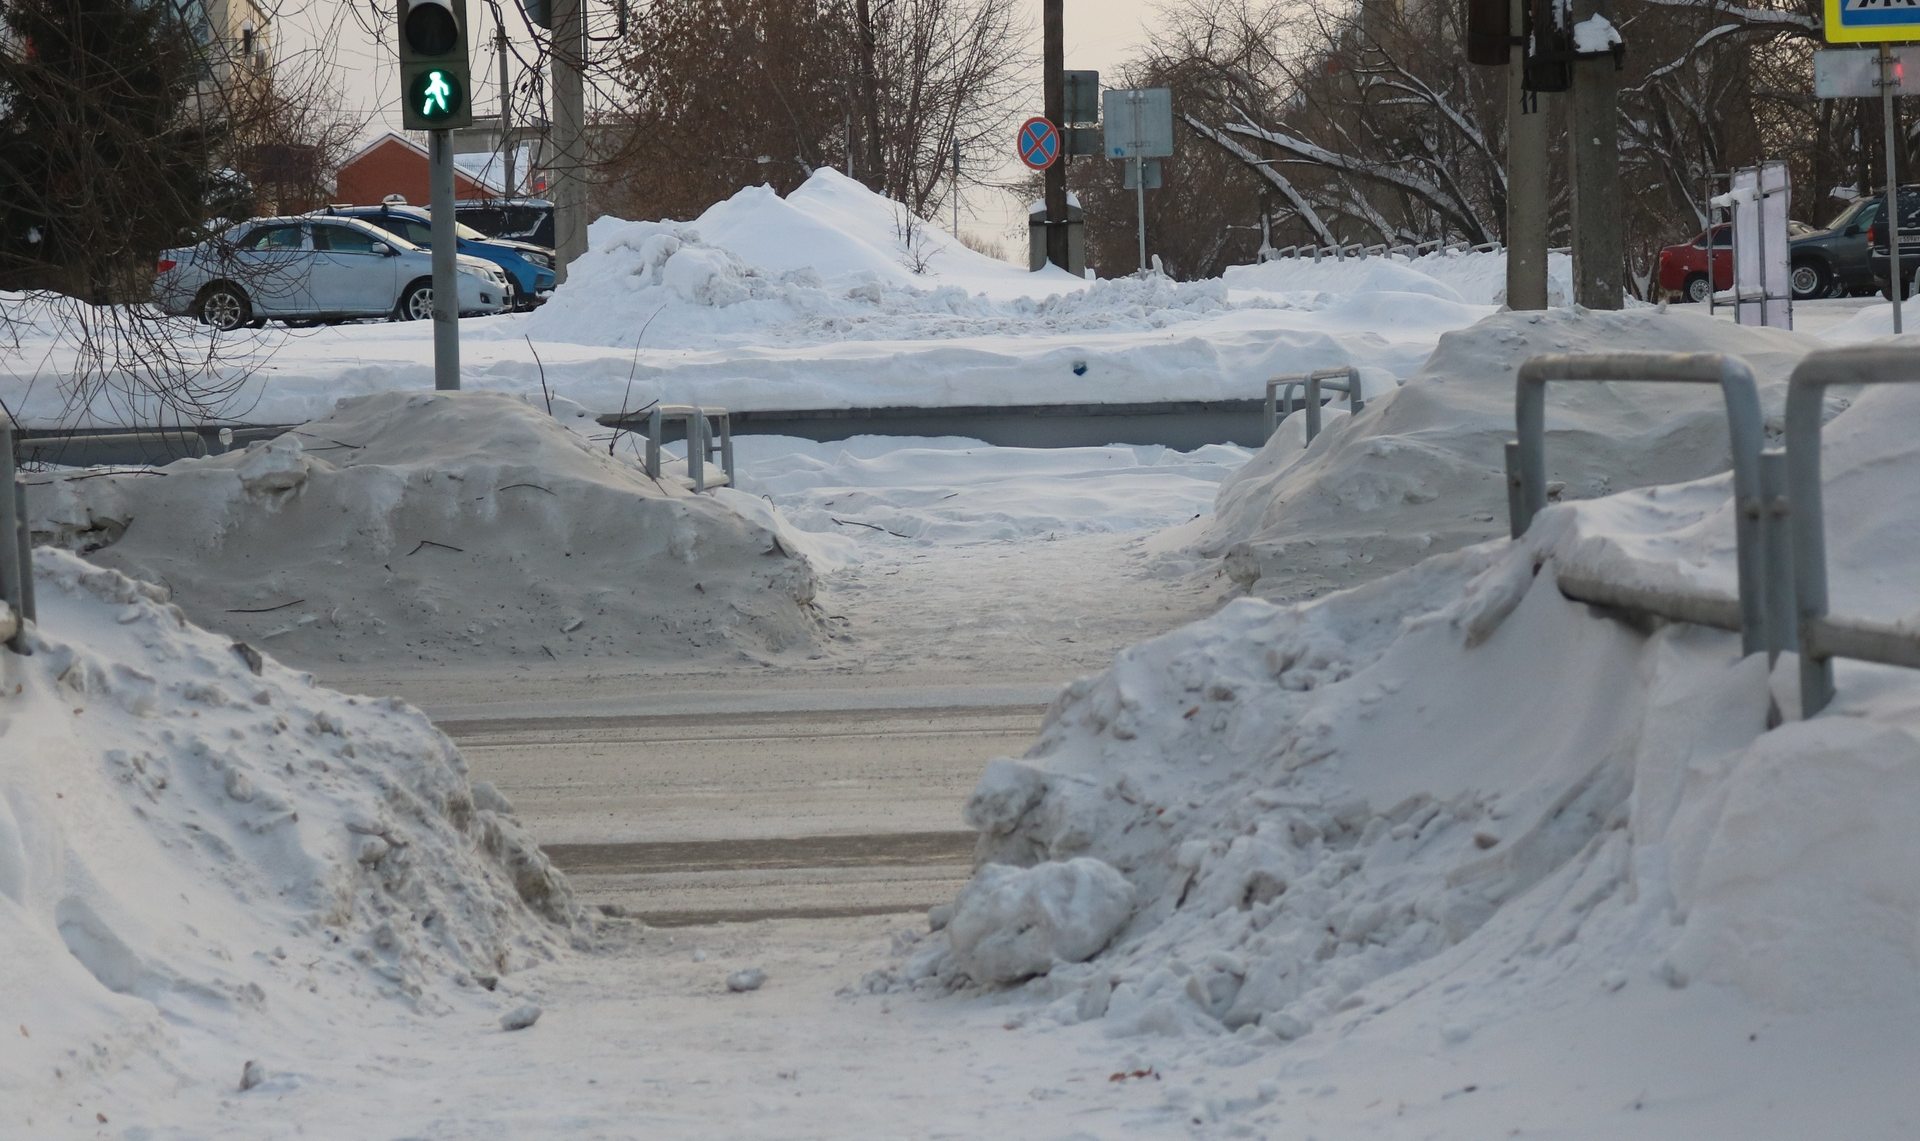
(446, 281)
(1527, 124)
(506, 111)
(1053, 77)
(1593, 158)
(569, 133)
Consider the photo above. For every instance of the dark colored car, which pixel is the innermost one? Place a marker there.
(1909, 242)
(529, 268)
(1834, 262)
(1683, 268)
(518, 219)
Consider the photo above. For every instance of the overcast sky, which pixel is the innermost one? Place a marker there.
(1100, 34)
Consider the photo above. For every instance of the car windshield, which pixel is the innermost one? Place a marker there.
(1850, 214)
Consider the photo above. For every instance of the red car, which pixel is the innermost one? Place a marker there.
(1683, 269)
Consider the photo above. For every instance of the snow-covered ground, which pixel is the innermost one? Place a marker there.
(1439, 854)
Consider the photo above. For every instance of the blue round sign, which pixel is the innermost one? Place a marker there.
(1039, 143)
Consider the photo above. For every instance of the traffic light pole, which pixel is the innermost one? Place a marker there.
(446, 282)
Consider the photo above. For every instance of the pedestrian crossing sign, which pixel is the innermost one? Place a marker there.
(1872, 21)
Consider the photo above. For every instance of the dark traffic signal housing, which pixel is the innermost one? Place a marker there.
(436, 82)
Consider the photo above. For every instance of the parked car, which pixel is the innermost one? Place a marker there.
(1909, 242)
(529, 268)
(521, 219)
(305, 271)
(1683, 268)
(1833, 262)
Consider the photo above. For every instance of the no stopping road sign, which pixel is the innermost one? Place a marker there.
(1038, 143)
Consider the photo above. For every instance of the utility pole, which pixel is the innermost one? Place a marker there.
(569, 130)
(1054, 107)
(1527, 124)
(1593, 154)
(506, 108)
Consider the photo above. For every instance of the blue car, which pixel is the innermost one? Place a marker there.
(529, 268)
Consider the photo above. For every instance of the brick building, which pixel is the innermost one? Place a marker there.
(393, 165)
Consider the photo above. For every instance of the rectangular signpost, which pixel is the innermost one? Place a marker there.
(1882, 22)
(1139, 126)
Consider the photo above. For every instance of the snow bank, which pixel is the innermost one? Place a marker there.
(433, 529)
(951, 490)
(1422, 469)
(203, 857)
(1468, 278)
(1451, 801)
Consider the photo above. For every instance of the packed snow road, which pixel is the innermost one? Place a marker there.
(727, 817)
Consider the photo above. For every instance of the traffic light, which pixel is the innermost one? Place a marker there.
(436, 86)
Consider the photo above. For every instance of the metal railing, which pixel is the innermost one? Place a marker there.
(1757, 529)
(1823, 637)
(702, 441)
(1280, 391)
(16, 547)
(1359, 250)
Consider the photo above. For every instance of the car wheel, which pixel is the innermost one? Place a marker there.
(1810, 280)
(1695, 289)
(225, 308)
(416, 304)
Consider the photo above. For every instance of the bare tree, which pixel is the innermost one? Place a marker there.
(123, 133)
(721, 94)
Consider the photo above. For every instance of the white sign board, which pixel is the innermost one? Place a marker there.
(1762, 261)
(1139, 123)
(1854, 73)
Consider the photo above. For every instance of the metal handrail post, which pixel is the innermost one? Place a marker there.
(1867, 364)
(1776, 540)
(1744, 430)
(14, 573)
(697, 448)
(655, 424)
(29, 608)
(726, 447)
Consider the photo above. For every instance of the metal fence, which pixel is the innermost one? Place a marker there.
(1780, 528)
(1280, 399)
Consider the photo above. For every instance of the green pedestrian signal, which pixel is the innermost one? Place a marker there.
(436, 96)
(434, 73)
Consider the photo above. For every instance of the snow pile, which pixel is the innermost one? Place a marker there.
(1463, 277)
(759, 269)
(438, 528)
(203, 856)
(1422, 469)
(1426, 807)
(950, 490)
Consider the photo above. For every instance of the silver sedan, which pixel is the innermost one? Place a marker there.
(305, 271)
